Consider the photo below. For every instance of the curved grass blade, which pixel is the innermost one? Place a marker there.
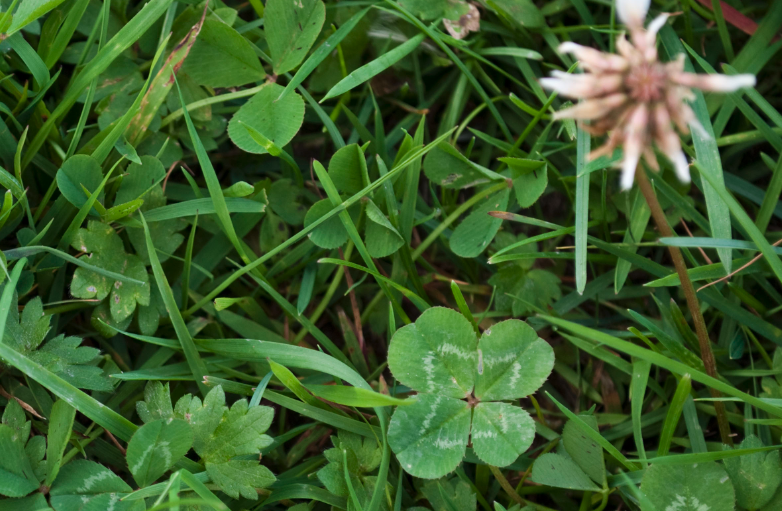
(322, 52)
(410, 158)
(354, 396)
(18, 253)
(662, 361)
(197, 365)
(375, 67)
(126, 36)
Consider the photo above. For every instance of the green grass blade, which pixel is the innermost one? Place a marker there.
(674, 412)
(641, 370)
(126, 36)
(197, 366)
(707, 153)
(582, 210)
(323, 51)
(662, 361)
(374, 68)
(745, 221)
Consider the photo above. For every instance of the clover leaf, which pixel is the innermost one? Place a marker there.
(691, 487)
(578, 466)
(463, 382)
(143, 182)
(106, 250)
(756, 476)
(89, 485)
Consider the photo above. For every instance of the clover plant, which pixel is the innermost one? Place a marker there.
(466, 386)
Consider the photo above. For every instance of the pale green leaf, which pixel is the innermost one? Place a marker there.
(436, 354)
(692, 487)
(278, 121)
(155, 447)
(513, 361)
(430, 437)
(501, 432)
(560, 472)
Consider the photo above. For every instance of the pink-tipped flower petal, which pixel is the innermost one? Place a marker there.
(632, 12)
(593, 59)
(592, 109)
(714, 83)
(634, 144)
(669, 144)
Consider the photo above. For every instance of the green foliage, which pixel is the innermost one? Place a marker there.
(440, 356)
(296, 27)
(277, 121)
(579, 466)
(26, 332)
(104, 249)
(270, 211)
(689, 487)
(155, 447)
(755, 477)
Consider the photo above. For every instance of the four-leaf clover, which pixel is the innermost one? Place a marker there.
(463, 384)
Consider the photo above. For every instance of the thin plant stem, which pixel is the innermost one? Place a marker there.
(505, 484)
(692, 298)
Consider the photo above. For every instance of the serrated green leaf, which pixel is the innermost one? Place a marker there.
(156, 404)
(436, 354)
(222, 434)
(61, 355)
(107, 251)
(88, 486)
(16, 474)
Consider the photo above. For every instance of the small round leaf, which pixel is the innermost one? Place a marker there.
(430, 436)
(501, 432)
(435, 354)
(278, 121)
(514, 362)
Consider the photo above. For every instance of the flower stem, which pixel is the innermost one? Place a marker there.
(692, 299)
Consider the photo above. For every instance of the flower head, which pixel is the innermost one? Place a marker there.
(634, 97)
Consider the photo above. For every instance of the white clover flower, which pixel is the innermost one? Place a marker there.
(634, 96)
